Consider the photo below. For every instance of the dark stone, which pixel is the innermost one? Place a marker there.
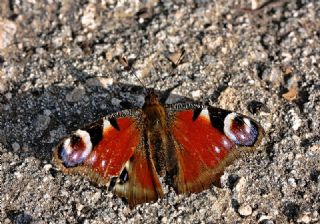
(235, 204)
(314, 175)
(1, 60)
(291, 210)
(232, 181)
(19, 217)
(256, 106)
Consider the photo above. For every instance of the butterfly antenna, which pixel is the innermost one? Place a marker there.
(139, 80)
(128, 66)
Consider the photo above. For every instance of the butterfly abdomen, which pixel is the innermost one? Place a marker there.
(156, 134)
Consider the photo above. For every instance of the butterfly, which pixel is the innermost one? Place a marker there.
(186, 145)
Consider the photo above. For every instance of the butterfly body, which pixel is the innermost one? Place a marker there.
(188, 144)
(156, 132)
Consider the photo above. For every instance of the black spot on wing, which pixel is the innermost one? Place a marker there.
(217, 117)
(114, 123)
(238, 121)
(95, 131)
(74, 139)
(124, 176)
(112, 183)
(196, 113)
(60, 151)
(217, 123)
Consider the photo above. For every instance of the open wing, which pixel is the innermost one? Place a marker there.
(205, 141)
(112, 152)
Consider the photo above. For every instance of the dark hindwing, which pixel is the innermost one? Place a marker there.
(112, 152)
(204, 141)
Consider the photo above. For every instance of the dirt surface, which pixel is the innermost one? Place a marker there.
(60, 69)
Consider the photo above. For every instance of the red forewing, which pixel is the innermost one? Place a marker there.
(111, 152)
(206, 140)
(115, 148)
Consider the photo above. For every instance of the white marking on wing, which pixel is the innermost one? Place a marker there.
(227, 126)
(247, 125)
(205, 113)
(217, 149)
(242, 136)
(87, 142)
(106, 124)
(66, 146)
(103, 163)
(92, 158)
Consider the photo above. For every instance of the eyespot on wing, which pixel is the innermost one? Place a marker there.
(74, 150)
(241, 130)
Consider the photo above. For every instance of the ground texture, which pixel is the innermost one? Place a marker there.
(60, 69)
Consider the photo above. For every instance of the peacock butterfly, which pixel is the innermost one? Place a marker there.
(189, 145)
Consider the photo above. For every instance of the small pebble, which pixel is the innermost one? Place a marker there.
(8, 96)
(265, 219)
(116, 102)
(15, 146)
(88, 18)
(42, 122)
(196, 94)
(47, 167)
(76, 95)
(304, 219)
(164, 220)
(96, 196)
(292, 182)
(100, 82)
(18, 175)
(7, 32)
(245, 210)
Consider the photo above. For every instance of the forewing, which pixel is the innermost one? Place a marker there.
(111, 152)
(205, 140)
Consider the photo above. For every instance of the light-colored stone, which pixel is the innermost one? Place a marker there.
(196, 94)
(76, 94)
(42, 122)
(47, 167)
(7, 31)
(245, 210)
(15, 146)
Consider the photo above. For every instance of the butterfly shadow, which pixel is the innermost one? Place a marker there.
(34, 121)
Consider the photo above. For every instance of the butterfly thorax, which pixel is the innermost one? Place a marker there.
(156, 131)
(154, 113)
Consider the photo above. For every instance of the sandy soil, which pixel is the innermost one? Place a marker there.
(60, 69)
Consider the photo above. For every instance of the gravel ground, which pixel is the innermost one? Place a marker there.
(60, 69)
